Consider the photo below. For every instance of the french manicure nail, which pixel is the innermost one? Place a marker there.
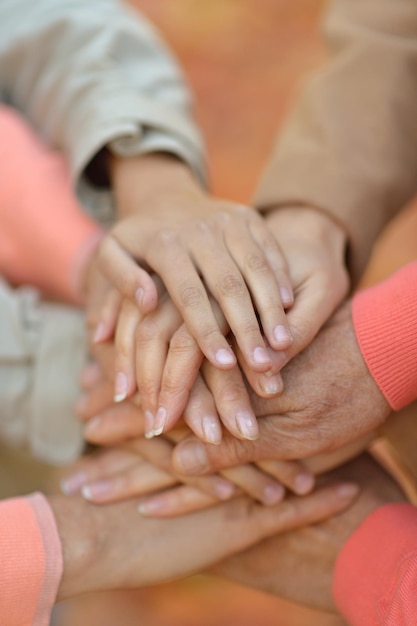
(225, 357)
(273, 494)
(282, 334)
(247, 425)
(303, 484)
(260, 355)
(72, 484)
(160, 421)
(95, 491)
(212, 429)
(149, 420)
(120, 387)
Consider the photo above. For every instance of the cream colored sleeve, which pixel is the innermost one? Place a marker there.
(43, 347)
(350, 146)
(89, 73)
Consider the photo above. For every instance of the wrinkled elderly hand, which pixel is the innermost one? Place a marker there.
(299, 565)
(330, 399)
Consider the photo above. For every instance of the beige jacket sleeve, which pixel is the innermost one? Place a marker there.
(87, 73)
(42, 350)
(350, 147)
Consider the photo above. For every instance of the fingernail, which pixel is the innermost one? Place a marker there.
(348, 490)
(225, 357)
(139, 296)
(212, 429)
(282, 334)
(191, 457)
(95, 491)
(81, 405)
(100, 334)
(272, 385)
(149, 420)
(273, 494)
(247, 425)
(303, 484)
(92, 426)
(160, 421)
(286, 295)
(260, 355)
(224, 490)
(151, 506)
(120, 387)
(72, 484)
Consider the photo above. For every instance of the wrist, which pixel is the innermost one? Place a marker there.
(76, 526)
(135, 179)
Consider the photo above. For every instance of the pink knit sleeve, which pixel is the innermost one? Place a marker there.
(375, 579)
(31, 561)
(385, 321)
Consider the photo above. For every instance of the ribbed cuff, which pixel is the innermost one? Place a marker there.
(376, 572)
(385, 321)
(31, 561)
(53, 558)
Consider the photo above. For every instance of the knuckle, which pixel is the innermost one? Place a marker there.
(232, 393)
(257, 263)
(182, 341)
(231, 285)
(191, 297)
(165, 236)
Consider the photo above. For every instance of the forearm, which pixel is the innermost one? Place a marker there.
(91, 75)
(350, 147)
(139, 178)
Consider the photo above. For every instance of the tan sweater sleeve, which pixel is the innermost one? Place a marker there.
(350, 146)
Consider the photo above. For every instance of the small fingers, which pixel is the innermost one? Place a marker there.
(124, 341)
(177, 501)
(181, 368)
(292, 474)
(152, 343)
(201, 414)
(232, 401)
(126, 275)
(134, 481)
(97, 466)
(256, 483)
(103, 324)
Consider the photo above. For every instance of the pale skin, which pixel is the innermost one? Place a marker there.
(113, 547)
(169, 352)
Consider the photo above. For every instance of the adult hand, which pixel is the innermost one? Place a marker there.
(299, 565)
(329, 400)
(114, 547)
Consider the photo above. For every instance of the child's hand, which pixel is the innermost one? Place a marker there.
(198, 246)
(108, 423)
